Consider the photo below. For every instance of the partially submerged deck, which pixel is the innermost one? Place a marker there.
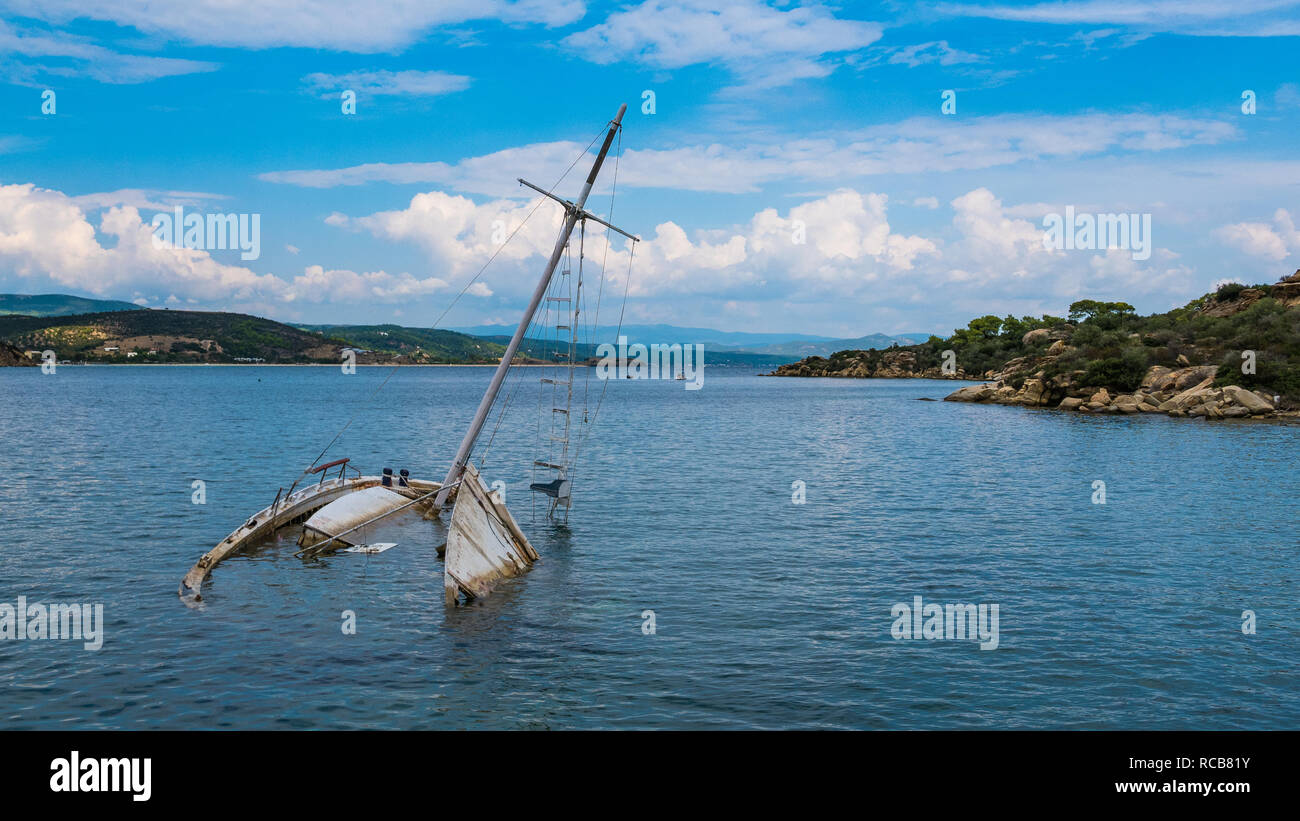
(291, 509)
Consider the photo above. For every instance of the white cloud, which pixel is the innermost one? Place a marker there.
(847, 238)
(1287, 96)
(458, 235)
(46, 239)
(987, 259)
(1249, 18)
(42, 53)
(936, 51)
(145, 199)
(1276, 242)
(764, 46)
(492, 174)
(916, 145)
(342, 25)
(388, 83)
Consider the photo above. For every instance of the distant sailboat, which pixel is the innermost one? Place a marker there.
(484, 542)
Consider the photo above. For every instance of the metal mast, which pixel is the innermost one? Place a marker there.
(573, 212)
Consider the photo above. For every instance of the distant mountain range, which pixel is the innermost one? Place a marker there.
(666, 334)
(58, 305)
(544, 350)
(796, 346)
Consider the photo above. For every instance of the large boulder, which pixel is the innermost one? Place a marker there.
(1005, 395)
(1158, 378)
(1248, 400)
(970, 393)
(1187, 377)
(1070, 403)
(1036, 336)
(1126, 404)
(1034, 392)
(1192, 396)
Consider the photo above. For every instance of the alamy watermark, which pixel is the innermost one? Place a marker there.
(1092, 232)
(78, 622)
(946, 622)
(685, 363)
(77, 774)
(215, 232)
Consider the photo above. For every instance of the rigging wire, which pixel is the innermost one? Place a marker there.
(600, 291)
(452, 304)
(627, 281)
(572, 457)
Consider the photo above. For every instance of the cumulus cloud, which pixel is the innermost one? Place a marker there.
(832, 249)
(459, 235)
(1276, 241)
(809, 260)
(840, 241)
(46, 238)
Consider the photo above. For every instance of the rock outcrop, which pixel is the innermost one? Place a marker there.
(1186, 392)
(895, 363)
(14, 357)
(1287, 291)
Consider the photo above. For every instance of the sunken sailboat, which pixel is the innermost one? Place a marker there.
(485, 543)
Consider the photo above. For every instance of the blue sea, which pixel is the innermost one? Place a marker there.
(766, 613)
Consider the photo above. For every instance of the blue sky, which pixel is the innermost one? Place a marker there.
(772, 122)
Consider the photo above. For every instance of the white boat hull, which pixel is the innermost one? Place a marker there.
(484, 543)
(348, 513)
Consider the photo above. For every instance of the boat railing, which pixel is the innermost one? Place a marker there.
(341, 464)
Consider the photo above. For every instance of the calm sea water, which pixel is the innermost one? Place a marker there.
(768, 614)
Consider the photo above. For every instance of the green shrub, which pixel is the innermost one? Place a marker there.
(1123, 372)
(1228, 291)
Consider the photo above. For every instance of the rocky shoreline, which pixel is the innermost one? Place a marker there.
(1105, 359)
(1184, 392)
(890, 364)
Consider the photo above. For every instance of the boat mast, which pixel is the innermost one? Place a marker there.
(574, 211)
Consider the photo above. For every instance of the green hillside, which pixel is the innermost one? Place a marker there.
(1108, 345)
(167, 336)
(141, 336)
(416, 344)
